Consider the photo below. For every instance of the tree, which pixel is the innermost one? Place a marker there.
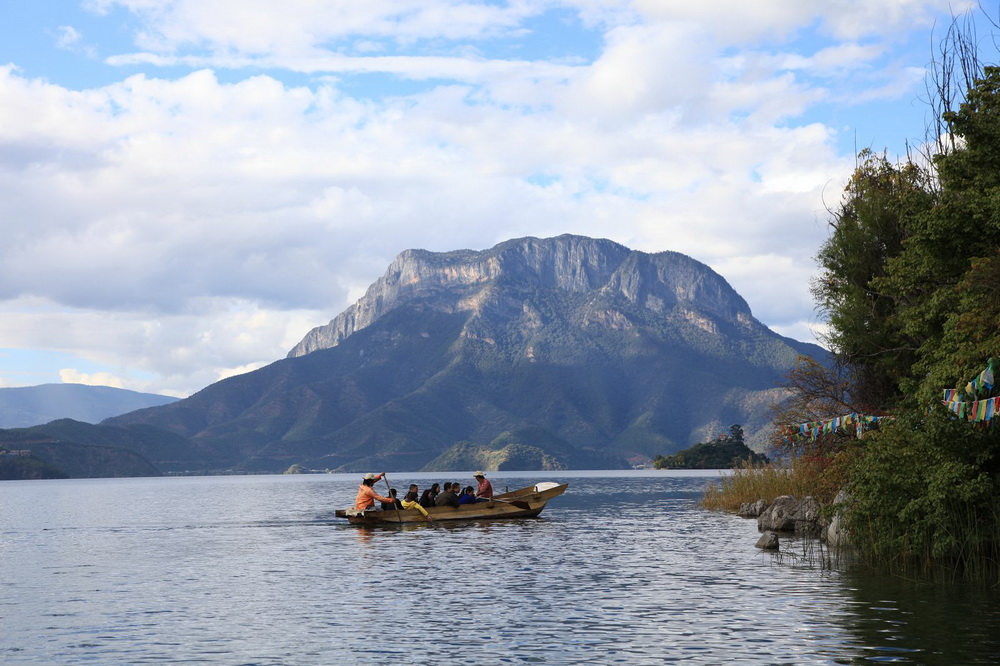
(951, 246)
(736, 433)
(910, 284)
(816, 392)
(870, 228)
(926, 488)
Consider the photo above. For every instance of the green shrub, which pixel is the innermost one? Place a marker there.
(925, 493)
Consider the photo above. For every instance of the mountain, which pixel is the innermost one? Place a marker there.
(67, 448)
(15, 467)
(581, 352)
(33, 405)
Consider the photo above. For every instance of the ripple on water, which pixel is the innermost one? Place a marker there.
(623, 568)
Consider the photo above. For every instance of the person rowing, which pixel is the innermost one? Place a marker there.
(365, 501)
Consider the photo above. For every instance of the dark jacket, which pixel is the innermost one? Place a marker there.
(427, 499)
(447, 498)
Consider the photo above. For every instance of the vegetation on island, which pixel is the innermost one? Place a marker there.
(910, 286)
(726, 451)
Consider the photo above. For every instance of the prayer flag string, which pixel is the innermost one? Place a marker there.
(981, 382)
(858, 423)
(975, 411)
(971, 407)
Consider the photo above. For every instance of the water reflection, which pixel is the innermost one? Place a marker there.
(365, 535)
(922, 622)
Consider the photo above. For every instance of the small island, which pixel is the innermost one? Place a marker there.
(726, 451)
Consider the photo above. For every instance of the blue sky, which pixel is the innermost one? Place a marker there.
(188, 186)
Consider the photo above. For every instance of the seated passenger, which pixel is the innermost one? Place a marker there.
(448, 496)
(468, 496)
(410, 501)
(427, 499)
(394, 504)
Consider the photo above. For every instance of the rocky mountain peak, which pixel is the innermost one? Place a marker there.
(567, 351)
(664, 282)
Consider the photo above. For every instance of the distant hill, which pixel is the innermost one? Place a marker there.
(34, 405)
(20, 468)
(77, 450)
(583, 351)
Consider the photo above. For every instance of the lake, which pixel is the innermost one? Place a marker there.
(625, 567)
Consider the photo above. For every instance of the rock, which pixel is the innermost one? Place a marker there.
(752, 509)
(767, 541)
(835, 535)
(791, 514)
(778, 516)
(807, 517)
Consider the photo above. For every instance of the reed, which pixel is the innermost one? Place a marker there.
(967, 549)
(804, 476)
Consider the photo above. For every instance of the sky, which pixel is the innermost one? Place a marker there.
(187, 187)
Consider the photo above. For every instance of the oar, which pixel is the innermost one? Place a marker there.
(389, 494)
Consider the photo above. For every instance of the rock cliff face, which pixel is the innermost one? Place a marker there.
(571, 352)
(666, 282)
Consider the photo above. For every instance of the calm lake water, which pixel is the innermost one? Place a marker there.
(623, 568)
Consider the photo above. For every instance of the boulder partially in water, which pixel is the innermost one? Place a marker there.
(801, 516)
(791, 514)
(835, 534)
(767, 541)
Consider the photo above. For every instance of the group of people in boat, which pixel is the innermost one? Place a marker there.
(452, 495)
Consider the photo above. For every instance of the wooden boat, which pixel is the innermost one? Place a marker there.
(523, 503)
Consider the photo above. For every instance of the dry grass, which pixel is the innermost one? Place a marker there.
(818, 477)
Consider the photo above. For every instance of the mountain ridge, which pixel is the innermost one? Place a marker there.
(615, 352)
(584, 264)
(26, 406)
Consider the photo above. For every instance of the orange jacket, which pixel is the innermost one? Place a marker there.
(366, 498)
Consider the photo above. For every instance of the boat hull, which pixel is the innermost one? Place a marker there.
(522, 503)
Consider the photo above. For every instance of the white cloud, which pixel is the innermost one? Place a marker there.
(806, 331)
(67, 37)
(647, 69)
(161, 353)
(176, 230)
(740, 22)
(849, 19)
(295, 28)
(73, 376)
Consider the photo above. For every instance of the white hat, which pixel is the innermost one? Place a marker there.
(368, 476)
(478, 474)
